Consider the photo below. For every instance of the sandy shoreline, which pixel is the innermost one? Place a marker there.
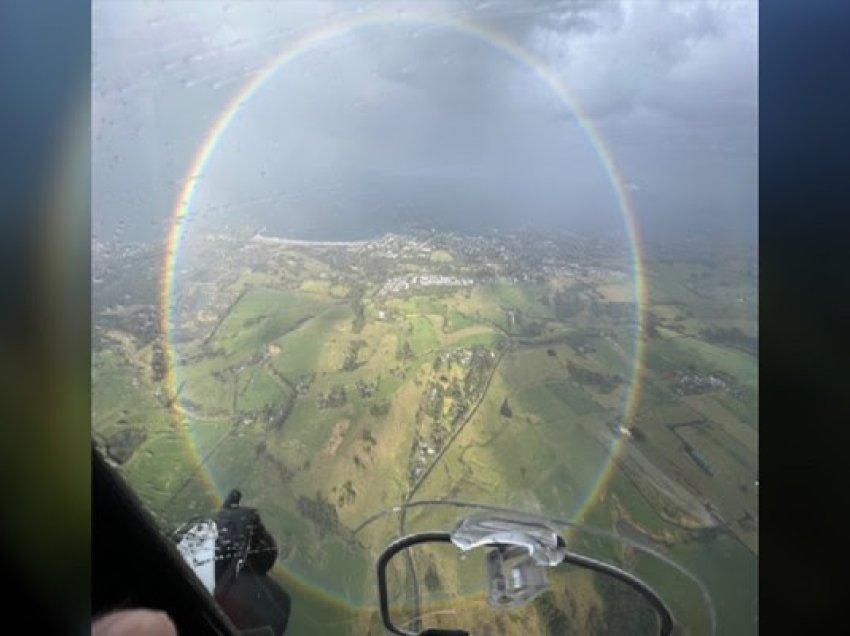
(284, 241)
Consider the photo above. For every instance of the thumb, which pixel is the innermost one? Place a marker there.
(136, 622)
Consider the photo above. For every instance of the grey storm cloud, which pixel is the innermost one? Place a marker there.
(407, 121)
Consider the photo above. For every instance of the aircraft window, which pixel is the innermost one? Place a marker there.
(364, 270)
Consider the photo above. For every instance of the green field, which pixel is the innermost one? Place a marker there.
(301, 348)
(421, 335)
(261, 316)
(455, 321)
(326, 403)
(685, 350)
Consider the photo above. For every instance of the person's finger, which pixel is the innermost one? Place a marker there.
(136, 622)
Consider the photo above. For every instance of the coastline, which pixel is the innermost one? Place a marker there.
(285, 241)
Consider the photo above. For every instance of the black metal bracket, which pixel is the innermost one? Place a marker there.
(666, 617)
(394, 548)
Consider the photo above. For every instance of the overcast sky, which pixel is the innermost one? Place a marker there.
(404, 121)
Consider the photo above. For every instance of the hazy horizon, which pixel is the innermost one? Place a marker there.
(407, 122)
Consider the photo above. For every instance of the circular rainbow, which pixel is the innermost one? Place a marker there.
(308, 42)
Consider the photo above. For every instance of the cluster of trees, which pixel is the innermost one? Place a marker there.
(142, 324)
(506, 410)
(581, 343)
(158, 364)
(567, 303)
(304, 382)
(532, 329)
(604, 382)
(404, 352)
(346, 494)
(556, 620)
(320, 512)
(479, 370)
(332, 399)
(520, 324)
(732, 337)
(253, 320)
(366, 389)
(432, 579)
(351, 362)
(283, 472)
(434, 400)
(616, 311)
(626, 611)
(123, 444)
(380, 409)
(276, 414)
(359, 310)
